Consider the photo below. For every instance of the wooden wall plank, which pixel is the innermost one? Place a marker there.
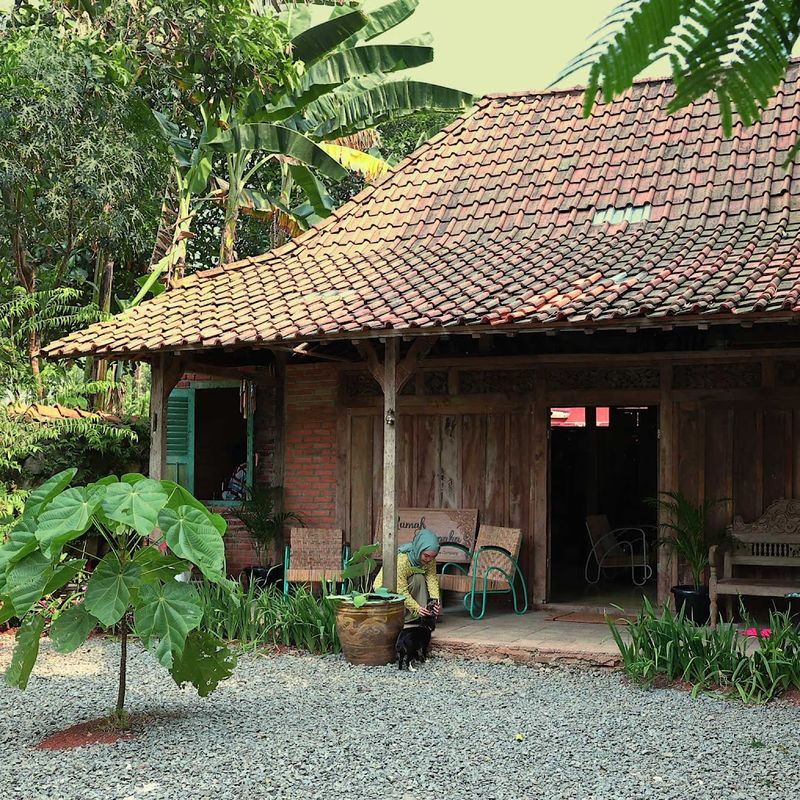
(519, 479)
(377, 469)
(493, 507)
(747, 463)
(450, 460)
(689, 452)
(361, 475)
(777, 446)
(473, 460)
(405, 461)
(719, 466)
(427, 448)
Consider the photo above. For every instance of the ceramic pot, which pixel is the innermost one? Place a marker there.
(368, 634)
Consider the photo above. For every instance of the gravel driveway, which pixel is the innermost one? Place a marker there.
(301, 727)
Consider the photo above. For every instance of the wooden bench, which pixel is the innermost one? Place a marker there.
(773, 540)
(457, 525)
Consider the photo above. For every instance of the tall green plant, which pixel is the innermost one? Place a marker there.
(659, 643)
(264, 519)
(133, 588)
(685, 530)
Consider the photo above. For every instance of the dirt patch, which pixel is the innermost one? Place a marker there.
(95, 731)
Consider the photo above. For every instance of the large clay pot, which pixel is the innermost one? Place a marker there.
(368, 634)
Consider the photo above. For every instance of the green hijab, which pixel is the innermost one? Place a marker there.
(424, 540)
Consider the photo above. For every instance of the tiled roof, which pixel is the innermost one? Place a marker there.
(39, 412)
(492, 224)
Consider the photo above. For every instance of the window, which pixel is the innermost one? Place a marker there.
(208, 439)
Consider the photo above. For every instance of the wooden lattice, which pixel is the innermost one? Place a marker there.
(603, 378)
(496, 381)
(717, 376)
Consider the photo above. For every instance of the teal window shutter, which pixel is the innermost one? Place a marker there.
(180, 438)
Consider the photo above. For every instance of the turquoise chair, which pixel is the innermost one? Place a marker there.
(493, 569)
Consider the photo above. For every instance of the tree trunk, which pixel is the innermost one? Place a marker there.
(33, 355)
(119, 709)
(227, 251)
(104, 275)
(26, 276)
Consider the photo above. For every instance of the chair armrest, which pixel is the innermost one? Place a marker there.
(624, 546)
(454, 564)
(713, 561)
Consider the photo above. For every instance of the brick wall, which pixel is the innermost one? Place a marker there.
(239, 552)
(310, 443)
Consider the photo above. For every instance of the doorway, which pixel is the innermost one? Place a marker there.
(603, 472)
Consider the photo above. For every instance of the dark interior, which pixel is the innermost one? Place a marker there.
(220, 440)
(608, 466)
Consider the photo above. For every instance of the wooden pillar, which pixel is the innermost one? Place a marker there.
(667, 568)
(166, 371)
(539, 448)
(159, 394)
(389, 548)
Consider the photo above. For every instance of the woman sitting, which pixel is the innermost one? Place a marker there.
(416, 574)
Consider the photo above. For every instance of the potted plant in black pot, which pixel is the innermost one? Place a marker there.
(367, 621)
(260, 512)
(687, 537)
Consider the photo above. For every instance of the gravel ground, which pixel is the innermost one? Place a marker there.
(293, 727)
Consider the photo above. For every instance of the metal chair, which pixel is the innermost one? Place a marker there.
(620, 548)
(314, 555)
(493, 569)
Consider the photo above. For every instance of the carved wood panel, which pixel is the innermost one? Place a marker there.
(717, 376)
(603, 378)
(496, 381)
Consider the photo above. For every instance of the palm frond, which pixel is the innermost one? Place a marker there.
(737, 49)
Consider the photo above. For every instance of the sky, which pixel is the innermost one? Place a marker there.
(485, 46)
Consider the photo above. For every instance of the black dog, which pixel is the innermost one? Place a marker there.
(415, 639)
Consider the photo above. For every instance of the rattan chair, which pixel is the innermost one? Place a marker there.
(493, 569)
(314, 555)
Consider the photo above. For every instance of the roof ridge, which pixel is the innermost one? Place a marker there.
(579, 87)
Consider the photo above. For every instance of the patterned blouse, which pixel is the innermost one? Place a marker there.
(404, 572)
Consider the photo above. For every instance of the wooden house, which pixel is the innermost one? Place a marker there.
(412, 348)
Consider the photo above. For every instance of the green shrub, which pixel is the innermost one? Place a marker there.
(663, 644)
(256, 617)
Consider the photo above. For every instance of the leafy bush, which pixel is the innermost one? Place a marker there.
(256, 617)
(664, 644)
(133, 587)
(30, 451)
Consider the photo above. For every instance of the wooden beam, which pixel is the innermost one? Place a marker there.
(407, 367)
(390, 466)
(369, 355)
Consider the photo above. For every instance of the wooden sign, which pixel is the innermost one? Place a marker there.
(449, 524)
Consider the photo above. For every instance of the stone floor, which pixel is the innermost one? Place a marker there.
(534, 636)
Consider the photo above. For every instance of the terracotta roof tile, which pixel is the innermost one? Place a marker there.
(491, 223)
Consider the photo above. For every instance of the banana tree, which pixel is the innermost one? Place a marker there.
(132, 589)
(346, 89)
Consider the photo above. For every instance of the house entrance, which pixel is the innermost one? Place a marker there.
(603, 470)
(208, 439)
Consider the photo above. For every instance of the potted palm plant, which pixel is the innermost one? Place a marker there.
(260, 512)
(367, 621)
(687, 537)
